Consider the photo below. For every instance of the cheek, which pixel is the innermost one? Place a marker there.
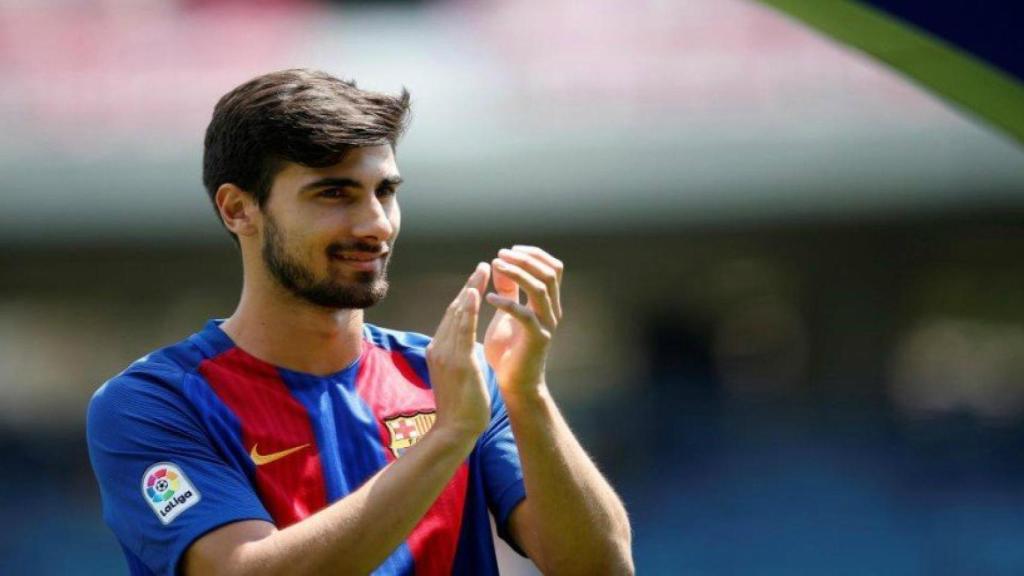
(303, 243)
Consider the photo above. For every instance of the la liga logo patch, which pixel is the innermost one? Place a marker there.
(168, 491)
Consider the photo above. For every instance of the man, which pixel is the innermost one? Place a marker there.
(293, 438)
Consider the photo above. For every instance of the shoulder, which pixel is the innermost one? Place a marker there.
(150, 387)
(143, 378)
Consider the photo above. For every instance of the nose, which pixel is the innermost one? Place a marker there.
(374, 221)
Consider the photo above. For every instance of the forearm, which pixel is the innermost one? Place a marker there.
(356, 534)
(572, 519)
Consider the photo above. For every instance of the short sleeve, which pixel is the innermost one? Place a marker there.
(499, 459)
(163, 484)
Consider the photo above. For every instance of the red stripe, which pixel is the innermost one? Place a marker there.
(292, 487)
(389, 385)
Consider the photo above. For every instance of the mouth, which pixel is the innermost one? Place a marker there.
(364, 261)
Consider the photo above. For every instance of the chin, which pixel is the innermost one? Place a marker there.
(348, 295)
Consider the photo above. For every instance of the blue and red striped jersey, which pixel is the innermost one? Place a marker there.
(201, 434)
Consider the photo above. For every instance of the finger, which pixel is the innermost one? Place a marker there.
(537, 293)
(504, 285)
(557, 265)
(466, 337)
(480, 277)
(454, 308)
(446, 319)
(514, 309)
(448, 329)
(540, 270)
(476, 281)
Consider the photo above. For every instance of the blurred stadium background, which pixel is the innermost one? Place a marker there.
(795, 301)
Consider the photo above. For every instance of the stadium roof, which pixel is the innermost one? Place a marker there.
(704, 111)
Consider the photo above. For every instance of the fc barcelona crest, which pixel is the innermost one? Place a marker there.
(406, 430)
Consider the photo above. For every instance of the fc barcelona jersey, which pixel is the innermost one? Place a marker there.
(201, 434)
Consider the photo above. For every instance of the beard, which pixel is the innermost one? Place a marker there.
(363, 290)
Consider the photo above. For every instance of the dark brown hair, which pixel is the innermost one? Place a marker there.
(303, 116)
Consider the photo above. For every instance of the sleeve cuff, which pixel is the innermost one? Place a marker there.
(203, 528)
(507, 502)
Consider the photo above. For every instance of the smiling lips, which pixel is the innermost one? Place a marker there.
(360, 260)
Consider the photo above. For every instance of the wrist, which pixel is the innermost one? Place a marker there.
(454, 436)
(532, 395)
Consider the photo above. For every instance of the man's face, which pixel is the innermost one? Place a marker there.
(328, 232)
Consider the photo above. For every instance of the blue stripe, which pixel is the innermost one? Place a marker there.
(312, 393)
(475, 552)
(348, 439)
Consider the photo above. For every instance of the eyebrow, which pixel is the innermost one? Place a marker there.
(332, 182)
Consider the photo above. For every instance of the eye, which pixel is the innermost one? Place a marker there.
(334, 193)
(387, 192)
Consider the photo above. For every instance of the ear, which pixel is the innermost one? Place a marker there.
(237, 209)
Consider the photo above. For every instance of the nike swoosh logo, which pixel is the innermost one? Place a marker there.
(261, 459)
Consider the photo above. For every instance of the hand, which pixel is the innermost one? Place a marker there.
(518, 338)
(463, 403)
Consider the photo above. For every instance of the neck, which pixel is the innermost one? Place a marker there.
(277, 327)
